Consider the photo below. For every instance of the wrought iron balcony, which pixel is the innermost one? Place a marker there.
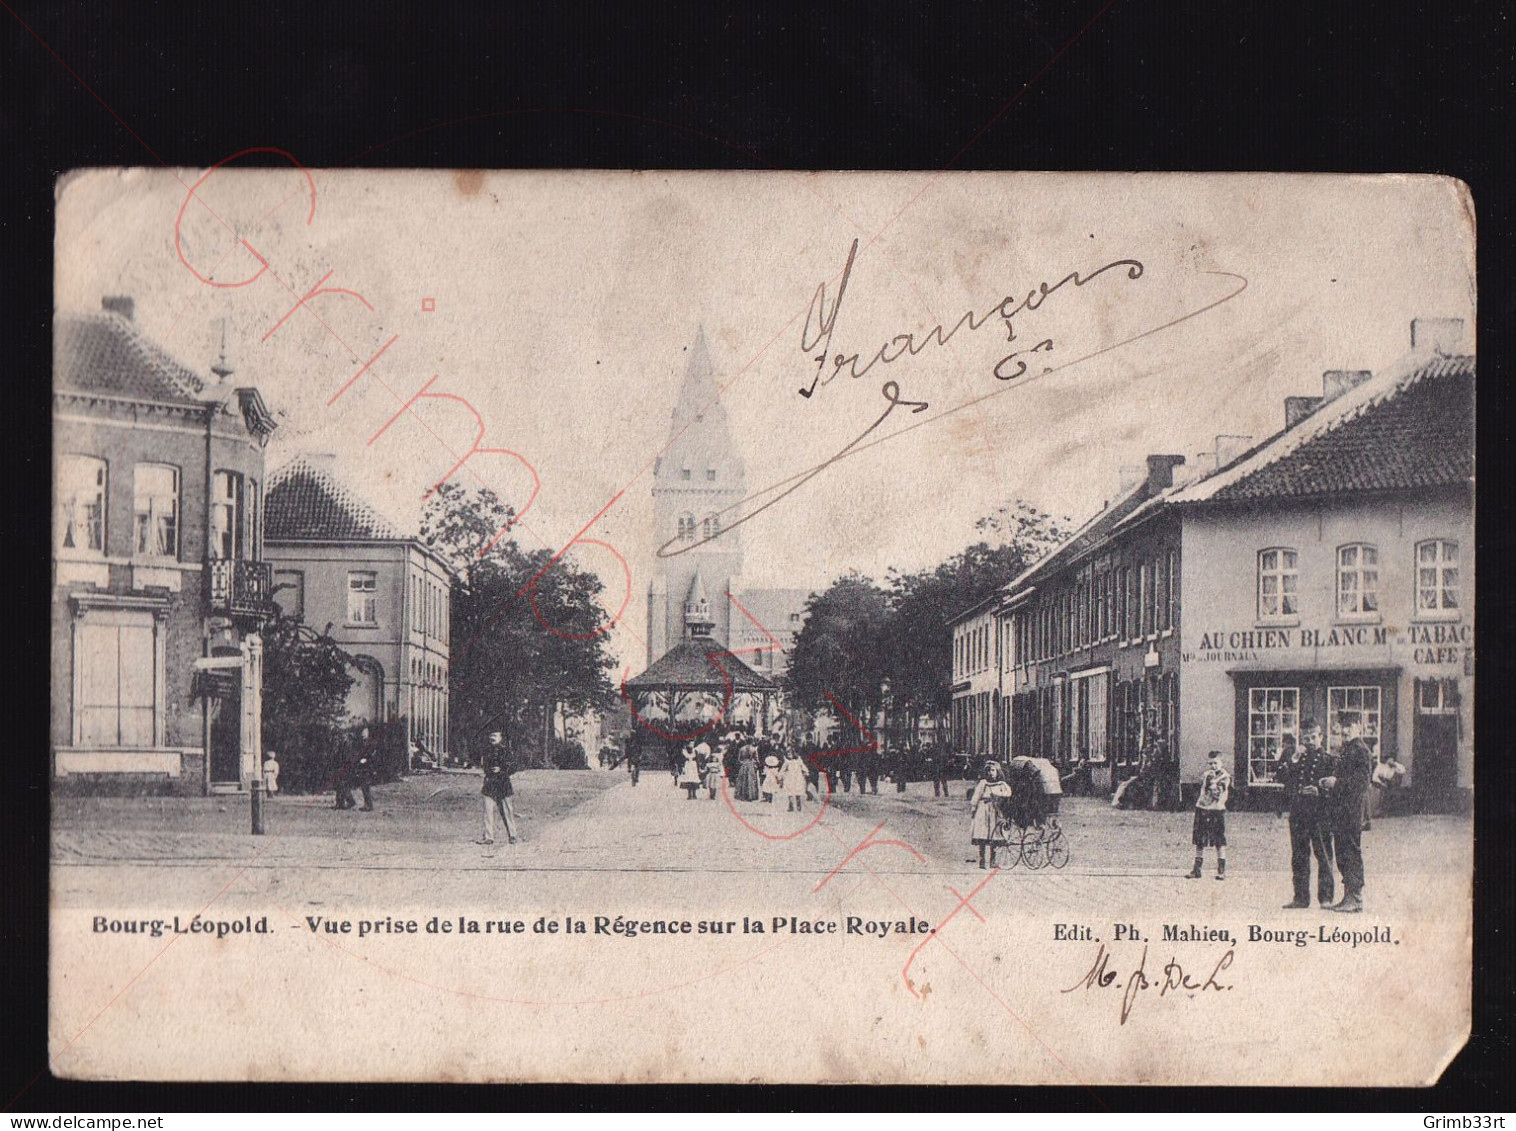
(239, 588)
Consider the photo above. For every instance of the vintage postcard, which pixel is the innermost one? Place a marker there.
(678, 627)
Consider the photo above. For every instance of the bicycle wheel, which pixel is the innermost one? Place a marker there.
(1057, 849)
(1031, 847)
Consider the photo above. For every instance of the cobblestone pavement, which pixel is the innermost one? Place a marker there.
(421, 841)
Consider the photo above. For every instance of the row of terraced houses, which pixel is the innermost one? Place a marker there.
(1326, 573)
(173, 546)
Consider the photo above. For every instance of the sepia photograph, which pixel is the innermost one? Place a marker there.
(780, 628)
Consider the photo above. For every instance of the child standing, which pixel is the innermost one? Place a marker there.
(1210, 816)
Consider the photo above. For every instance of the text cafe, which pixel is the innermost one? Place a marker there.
(1333, 581)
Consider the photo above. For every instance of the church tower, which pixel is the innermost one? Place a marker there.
(696, 478)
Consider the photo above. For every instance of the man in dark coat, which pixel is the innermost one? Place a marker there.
(937, 769)
(1310, 835)
(1346, 789)
(497, 790)
(357, 771)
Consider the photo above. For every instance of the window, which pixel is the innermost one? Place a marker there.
(1437, 697)
(1437, 576)
(1145, 598)
(710, 474)
(362, 592)
(254, 524)
(1132, 603)
(1352, 705)
(1161, 591)
(226, 516)
(1171, 605)
(1278, 583)
(684, 473)
(1357, 580)
(686, 527)
(81, 504)
(289, 592)
(117, 692)
(156, 510)
(710, 526)
(1273, 712)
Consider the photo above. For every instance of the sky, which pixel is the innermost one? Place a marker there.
(559, 307)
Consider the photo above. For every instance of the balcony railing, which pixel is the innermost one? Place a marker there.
(239, 588)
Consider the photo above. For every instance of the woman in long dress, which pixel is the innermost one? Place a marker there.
(985, 828)
(747, 772)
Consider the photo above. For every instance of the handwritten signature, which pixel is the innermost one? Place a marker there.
(1173, 979)
(821, 323)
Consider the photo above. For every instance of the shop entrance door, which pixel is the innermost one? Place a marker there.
(226, 736)
(1434, 743)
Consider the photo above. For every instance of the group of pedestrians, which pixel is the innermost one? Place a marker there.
(757, 769)
(1326, 796)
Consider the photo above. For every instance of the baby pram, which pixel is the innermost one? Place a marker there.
(1031, 818)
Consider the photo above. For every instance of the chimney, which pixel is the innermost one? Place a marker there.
(123, 305)
(1131, 475)
(1229, 447)
(1161, 472)
(1297, 409)
(1205, 463)
(1335, 382)
(1443, 336)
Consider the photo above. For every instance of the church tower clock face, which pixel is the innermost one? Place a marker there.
(698, 477)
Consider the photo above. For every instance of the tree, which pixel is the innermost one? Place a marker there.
(528, 632)
(921, 643)
(305, 684)
(841, 651)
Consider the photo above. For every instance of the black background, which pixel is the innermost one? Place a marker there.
(1022, 84)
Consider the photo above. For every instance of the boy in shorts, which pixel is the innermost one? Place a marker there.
(1210, 816)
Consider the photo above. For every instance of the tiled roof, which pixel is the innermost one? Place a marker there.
(106, 353)
(694, 664)
(1411, 426)
(305, 501)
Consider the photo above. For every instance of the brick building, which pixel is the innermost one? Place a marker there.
(159, 589)
(381, 594)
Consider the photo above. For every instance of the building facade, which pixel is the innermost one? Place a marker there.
(159, 587)
(1324, 574)
(1330, 577)
(1090, 641)
(384, 597)
(977, 683)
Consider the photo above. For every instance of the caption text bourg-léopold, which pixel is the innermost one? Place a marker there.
(620, 926)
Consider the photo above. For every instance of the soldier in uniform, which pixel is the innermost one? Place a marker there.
(1346, 790)
(1299, 772)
